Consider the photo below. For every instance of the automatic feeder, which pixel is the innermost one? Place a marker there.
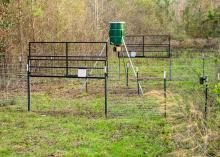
(116, 34)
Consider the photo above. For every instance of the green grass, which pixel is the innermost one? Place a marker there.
(77, 127)
(65, 122)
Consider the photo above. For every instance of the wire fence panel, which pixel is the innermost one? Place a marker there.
(186, 69)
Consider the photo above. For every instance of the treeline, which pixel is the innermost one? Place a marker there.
(22, 21)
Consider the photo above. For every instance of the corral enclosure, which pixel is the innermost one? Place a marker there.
(149, 88)
(170, 83)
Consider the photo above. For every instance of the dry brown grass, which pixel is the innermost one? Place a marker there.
(190, 132)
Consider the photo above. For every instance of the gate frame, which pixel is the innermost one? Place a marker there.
(66, 58)
(143, 45)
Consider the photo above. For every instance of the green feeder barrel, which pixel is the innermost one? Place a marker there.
(116, 32)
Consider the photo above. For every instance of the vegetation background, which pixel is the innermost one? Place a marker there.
(22, 21)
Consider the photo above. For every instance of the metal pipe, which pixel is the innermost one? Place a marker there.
(143, 46)
(165, 95)
(138, 89)
(67, 59)
(127, 67)
(106, 94)
(170, 69)
(203, 65)
(206, 100)
(28, 86)
(119, 66)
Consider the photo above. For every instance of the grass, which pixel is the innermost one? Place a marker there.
(76, 127)
(66, 122)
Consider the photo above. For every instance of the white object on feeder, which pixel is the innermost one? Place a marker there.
(136, 69)
(218, 76)
(82, 72)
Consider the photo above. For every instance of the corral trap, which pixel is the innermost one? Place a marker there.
(89, 60)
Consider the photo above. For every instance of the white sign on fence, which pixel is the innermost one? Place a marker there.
(82, 72)
(133, 54)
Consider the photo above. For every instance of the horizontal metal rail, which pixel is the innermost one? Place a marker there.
(69, 56)
(49, 59)
(62, 42)
(153, 35)
(148, 45)
(141, 56)
(70, 67)
(66, 76)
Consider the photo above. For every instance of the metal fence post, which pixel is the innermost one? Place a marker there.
(119, 66)
(165, 95)
(206, 99)
(203, 65)
(106, 95)
(28, 86)
(86, 86)
(170, 69)
(143, 46)
(127, 67)
(67, 64)
(138, 89)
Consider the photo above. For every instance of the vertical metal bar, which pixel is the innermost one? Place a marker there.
(106, 95)
(170, 69)
(203, 65)
(28, 85)
(5, 72)
(28, 79)
(124, 62)
(119, 66)
(29, 54)
(143, 45)
(106, 54)
(106, 77)
(86, 86)
(165, 95)
(29, 93)
(170, 62)
(138, 89)
(169, 48)
(67, 71)
(127, 75)
(206, 100)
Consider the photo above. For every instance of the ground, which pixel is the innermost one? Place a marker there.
(66, 121)
(66, 127)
